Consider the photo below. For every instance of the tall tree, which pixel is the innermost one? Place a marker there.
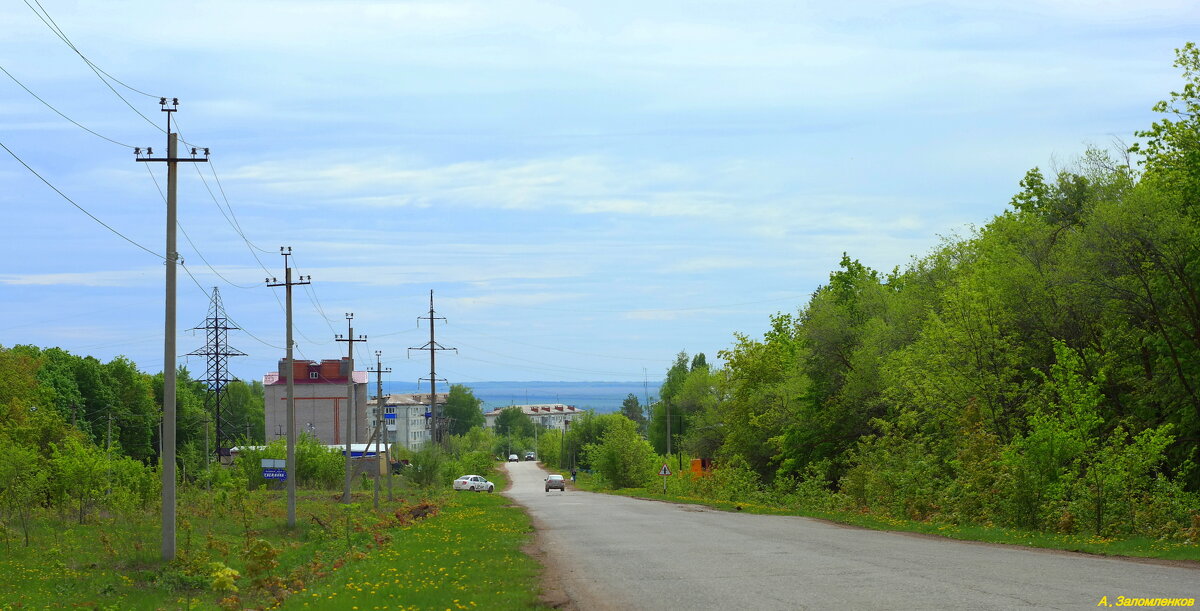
(632, 408)
(462, 408)
(514, 422)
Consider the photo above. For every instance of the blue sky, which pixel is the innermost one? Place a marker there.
(589, 188)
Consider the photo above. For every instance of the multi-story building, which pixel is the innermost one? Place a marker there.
(322, 398)
(405, 418)
(549, 415)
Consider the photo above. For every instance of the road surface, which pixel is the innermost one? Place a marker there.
(611, 552)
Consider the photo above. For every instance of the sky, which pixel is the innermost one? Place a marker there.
(587, 188)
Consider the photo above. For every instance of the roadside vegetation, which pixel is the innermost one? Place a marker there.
(1036, 381)
(80, 520)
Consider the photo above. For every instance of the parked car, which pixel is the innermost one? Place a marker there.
(556, 481)
(529, 456)
(474, 483)
(512, 458)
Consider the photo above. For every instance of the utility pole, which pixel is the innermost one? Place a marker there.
(168, 429)
(380, 428)
(350, 339)
(667, 406)
(437, 423)
(290, 464)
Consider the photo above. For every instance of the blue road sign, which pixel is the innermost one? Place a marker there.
(274, 473)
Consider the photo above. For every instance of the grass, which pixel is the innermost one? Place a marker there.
(1135, 547)
(440, 550)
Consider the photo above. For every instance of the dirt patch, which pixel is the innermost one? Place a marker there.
(553, 594)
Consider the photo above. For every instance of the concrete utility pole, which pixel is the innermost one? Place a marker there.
(380, 427)
(437, 423)
(287, 283)
(350, 339)
(167, 455)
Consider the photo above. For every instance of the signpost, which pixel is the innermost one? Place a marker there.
(274, 468)
(665, 471)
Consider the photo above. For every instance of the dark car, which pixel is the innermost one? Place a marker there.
(529, 456)
(556, 482)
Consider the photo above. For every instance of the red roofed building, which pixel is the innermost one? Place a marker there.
(322, 398)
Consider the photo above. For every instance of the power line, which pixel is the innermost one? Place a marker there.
(193, 244)
(231, 319)
(60, 113)
(81, 208)
(236, 229)
(62, 35)
(663, 310)
(555, 367)
(607, 356)
(50, 23)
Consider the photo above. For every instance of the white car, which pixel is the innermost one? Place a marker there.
(474, 483)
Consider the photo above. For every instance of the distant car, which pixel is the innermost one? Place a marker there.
(556, 482)
(512, 458)
(529, 456)
(474, 483)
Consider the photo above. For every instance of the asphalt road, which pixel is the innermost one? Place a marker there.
(610, 552)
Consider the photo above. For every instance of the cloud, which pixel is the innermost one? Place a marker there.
(112, 278)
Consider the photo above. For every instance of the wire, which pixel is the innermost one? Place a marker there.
(227, 219)
(551, 365)
(231, 319)
(633, 310)
(59, 113)
(58, 31)
(50, 23)
(237, 224)
(475, 330)
(189, 238)
(81, 208)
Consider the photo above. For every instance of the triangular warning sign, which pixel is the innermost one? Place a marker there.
(665, 470)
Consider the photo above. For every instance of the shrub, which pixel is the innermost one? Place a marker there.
(622, 457)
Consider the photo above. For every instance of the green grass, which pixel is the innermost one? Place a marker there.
(467, 558)
(1137, 547)
(465, 554)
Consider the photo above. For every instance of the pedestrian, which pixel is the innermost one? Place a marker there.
(572, 475)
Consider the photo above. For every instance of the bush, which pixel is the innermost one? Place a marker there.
(426, 466)
(622, 457)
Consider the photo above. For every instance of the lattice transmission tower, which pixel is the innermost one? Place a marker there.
(217, 352)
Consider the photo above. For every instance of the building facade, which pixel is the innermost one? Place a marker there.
(550, 415)
(322, 399)
(404, 417)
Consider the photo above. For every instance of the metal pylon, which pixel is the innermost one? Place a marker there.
(217, 351)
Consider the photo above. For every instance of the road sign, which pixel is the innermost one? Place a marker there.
(273, 463)
(274, 473)
(663, 471)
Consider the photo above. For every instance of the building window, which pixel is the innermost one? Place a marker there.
(312, 375)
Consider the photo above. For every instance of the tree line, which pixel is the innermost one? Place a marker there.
(1042, 371)
(83, 435)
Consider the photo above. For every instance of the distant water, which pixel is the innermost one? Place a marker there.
(603, 397)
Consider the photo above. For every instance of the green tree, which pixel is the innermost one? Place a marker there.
(513, 422)
(25, 478)
(462, 408)
(632, 408)
(1171, 147)
(657, 429)
(622, 457)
